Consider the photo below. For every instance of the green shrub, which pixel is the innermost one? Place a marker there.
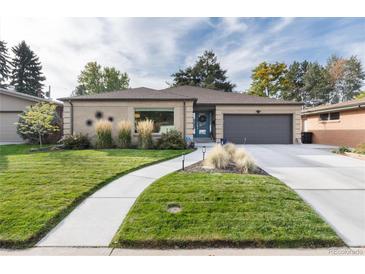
(103, 130)
(360, 149)
(342, 150)
(144, 130)
(172, 139)
(77, 141)
(124, 138)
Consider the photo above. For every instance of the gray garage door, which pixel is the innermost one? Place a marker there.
(8, 127)
(258, 129)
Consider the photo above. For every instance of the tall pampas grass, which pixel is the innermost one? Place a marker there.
(145, 129)
(103, 129)
(124, 137)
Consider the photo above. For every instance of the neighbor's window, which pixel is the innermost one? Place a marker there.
(163, 118)
(329, 116)
(334, 116)
(323, 116)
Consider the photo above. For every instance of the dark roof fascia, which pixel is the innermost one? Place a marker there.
(252, 104)
(126, 99)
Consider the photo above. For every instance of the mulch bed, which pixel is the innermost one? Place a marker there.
(198, 167)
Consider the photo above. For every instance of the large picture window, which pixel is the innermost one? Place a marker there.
(163, 118)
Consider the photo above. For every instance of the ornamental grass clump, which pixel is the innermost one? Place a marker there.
(230, 149)
(103, 130)
(124, 137)
(217, 158)
(144, 130)
(243, 162)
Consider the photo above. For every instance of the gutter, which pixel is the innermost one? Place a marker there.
(72, 117)
(184, 118)
(333, 109)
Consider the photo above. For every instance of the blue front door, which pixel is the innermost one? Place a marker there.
(202, 124)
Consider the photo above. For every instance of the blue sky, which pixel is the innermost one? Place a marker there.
(151, 49)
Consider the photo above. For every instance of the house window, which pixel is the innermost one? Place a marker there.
(334, 116)
(163, 118)
(329, 116)
(323, 116)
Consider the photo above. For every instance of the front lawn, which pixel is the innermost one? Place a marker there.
(222, 210)
(37, 189)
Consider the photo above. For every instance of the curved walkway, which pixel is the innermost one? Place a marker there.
(95, 221)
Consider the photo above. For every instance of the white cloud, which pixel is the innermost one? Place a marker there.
(150, 49)
(282, 24)
(143, 48)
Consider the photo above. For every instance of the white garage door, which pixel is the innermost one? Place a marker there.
(8, 128)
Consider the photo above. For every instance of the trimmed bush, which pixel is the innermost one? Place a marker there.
(103, 130)
(77, 141)
(172, 139)
(144, 130)
(217, 158)
(124, 138)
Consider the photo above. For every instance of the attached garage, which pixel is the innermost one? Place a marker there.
(12, 104)
(258, 129)
(8, 127)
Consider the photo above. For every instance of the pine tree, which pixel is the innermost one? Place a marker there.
(26, 75)
(4, 64)
(206, 73)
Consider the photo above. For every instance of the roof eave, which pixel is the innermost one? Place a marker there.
(357, 106)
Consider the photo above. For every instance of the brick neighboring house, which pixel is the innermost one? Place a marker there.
(341, 124)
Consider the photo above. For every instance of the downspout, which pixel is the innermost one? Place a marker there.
(72, 118)
(184, 119)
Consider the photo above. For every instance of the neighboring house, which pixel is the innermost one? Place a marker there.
(340, 124)
(12, 104)
(199, 113)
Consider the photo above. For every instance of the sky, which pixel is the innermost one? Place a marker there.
(151, 49)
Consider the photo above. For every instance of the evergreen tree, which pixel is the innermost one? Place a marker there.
(26, 75)
(317, 84)
(4, 64)
(206, 73)
(294, 89)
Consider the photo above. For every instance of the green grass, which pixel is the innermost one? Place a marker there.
(222, 210)
(37, 189)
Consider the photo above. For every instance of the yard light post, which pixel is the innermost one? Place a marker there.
(183, 162)
(204, 149)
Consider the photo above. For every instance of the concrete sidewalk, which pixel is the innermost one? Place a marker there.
(96, 220)
(334, 185)
(79, 251)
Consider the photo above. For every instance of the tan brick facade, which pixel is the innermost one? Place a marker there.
(349, 130)
(121, 110)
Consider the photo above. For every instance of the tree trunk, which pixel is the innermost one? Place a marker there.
(40, 139)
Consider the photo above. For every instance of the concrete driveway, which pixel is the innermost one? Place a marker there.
(334, 185)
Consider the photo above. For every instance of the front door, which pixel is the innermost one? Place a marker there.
(202, 124)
